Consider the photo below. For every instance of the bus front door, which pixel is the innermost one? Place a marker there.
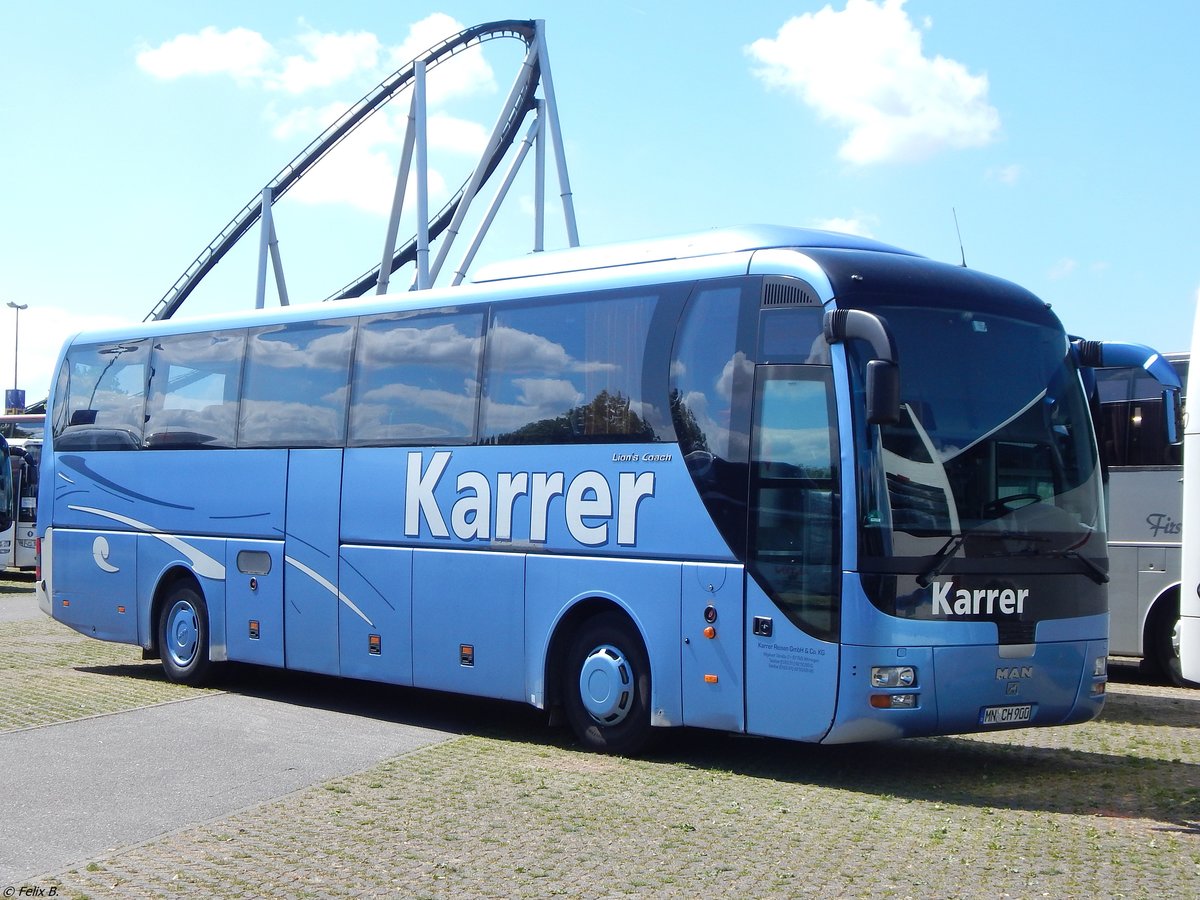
(793, 573)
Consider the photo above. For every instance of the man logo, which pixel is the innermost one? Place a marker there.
(1012, 673)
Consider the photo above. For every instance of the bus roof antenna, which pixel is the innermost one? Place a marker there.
(961, 251)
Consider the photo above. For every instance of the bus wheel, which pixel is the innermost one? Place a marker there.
(606, 686)
(1164, 638)
(183, 635)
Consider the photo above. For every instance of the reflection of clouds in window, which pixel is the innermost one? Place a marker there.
(511, 348)
(438, 345)
(739, 365)
(406, 412)
(274, 423)
(280, 349)
(538, 398)
(804, 447)
(191, 350)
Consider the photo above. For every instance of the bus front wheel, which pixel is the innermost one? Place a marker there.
(606, 686)
(1164, 641)
(183, 635)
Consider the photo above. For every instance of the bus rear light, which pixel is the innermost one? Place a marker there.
(893, 676)
(894, 701)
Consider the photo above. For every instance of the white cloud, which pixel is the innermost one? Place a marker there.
(361, 170)
(1009, 175)
(864, 69)
(466, 74)
(330, 59)
(854, 225)
(1063, 268)
(239, 52)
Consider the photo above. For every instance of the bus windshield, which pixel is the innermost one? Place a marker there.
(991, 457)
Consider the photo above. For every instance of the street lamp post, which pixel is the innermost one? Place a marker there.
(16, 307)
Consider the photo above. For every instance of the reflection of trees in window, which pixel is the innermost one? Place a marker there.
(691, 435)
(608, 417)
(544, 362)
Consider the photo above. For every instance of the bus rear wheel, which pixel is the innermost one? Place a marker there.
(183, 635)
(606, 686)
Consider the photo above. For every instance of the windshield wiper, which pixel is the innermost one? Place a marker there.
(1094, 572)
(942, 557)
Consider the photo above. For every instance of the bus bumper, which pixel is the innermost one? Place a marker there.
(908, 692)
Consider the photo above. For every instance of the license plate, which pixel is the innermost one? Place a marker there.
(1005, 715)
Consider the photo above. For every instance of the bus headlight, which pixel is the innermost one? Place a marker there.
(893, 676)
(1100, 667)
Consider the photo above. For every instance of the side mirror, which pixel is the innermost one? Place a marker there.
(883, 370)
(883, 392)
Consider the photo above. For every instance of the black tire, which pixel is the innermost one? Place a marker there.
(1163, 642)
(608, 654)
(183, 635)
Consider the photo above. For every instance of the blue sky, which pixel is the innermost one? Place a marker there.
(1064, 134)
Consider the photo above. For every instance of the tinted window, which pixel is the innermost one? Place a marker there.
(416, 379)
(296, 382)
(569, 372)
(1131, 430)
(711, 378)
(194, 390)
(100, 397)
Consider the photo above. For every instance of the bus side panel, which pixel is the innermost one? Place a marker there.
(713, 691)
(791, 677)
(311, 598)
(467, 622)
(94, 583)
(648, 591)
(376, 634)
(224, 492)
(158, 555)
(254, 601)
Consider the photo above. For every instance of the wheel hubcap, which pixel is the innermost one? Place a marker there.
(183, 634)
(606, 685)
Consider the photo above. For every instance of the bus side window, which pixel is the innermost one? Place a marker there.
(416, 379)
(193, 397)
(712, 376)
(569, 372)
(100, 401)
(296, 385)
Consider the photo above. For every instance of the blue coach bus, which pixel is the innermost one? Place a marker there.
(766, 480)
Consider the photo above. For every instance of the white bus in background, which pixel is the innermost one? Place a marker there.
(1145, 516)
(1189, 622)
(23, 436)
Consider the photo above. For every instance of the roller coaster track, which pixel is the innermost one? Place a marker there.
(371, 103)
